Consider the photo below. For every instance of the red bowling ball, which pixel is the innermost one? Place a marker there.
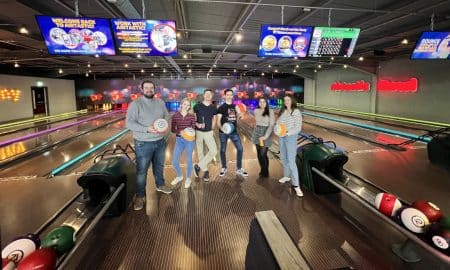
(430, 210)
(42, 259)
(387, 203)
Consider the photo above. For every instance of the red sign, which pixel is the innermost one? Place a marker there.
(191, 95)
(289, 92)
(354, 86)
(402, 86)
(96, 97)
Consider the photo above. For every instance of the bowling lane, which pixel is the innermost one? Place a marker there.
(17, 149)
(22, 129)
(42, 164)
(370, 135)
(413, 128)
(207, 226)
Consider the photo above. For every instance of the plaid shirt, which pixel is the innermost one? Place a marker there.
(180, 122)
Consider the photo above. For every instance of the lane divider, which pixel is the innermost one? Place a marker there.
(380, 129)
(41, 119)
(39, 133)
(390, 117)
(71, 162)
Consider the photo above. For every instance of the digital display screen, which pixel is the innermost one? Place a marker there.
(148, 37)
(284, 41)
(333, 41)
(76, 36)
(432, 45)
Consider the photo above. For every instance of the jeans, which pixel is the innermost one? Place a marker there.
(234, 137)
(180, 145)
(288, 154)
(146, 153)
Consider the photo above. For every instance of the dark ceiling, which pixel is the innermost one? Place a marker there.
(207, 31)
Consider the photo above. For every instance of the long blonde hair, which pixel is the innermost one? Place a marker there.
(190, 110)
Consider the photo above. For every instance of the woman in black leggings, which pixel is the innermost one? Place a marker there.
(262, 134)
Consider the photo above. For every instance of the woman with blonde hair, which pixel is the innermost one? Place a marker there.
(183, 123)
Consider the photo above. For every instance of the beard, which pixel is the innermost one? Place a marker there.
(150, 96)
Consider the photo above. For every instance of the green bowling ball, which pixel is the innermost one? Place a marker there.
(445, 222)
(61, 239)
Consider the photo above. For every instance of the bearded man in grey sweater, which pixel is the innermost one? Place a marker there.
(150, 144)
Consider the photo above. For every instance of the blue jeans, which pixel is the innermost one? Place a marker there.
(146, 153)
(288, 154)
(234, 137)
(180, 145)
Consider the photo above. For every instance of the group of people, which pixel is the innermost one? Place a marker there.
(150, 143)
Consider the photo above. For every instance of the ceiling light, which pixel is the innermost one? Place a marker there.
(269, 66)
(138, 56)
(126, 65)
(88, 65)
(87, 74)
(306, 9)
(262, 73)
(23, 30)
(276, 70)
(210, 70)
(319, 66)
(152, 74)
(228, 74)
(295, 58)
(164, 70)
(16, 65)
(142, 70)
(234, 70)
(90, 71)
(332, 58)
(155, 65)
(294, 70)
(245, 65)
(187, 65)
(214, 65)
(97, 55)
(238, 36)
(60, 71)
(297, 66)
(178, 34)
(189, 70)
(185, 56)
(405, 41)
(361, 58)
(345, 66)
(315, 70)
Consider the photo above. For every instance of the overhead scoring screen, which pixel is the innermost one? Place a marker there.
(158, 38)
(76, 36)
(333, 41)
(432, 45)
(284, 41)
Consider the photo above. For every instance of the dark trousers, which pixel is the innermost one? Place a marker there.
(263, 160)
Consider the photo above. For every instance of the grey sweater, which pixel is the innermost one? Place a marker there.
(142, 113)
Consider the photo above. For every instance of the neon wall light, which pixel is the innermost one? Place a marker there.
(398, 86)
(354, 86)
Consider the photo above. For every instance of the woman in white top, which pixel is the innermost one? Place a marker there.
(262, 134)
(291, 117)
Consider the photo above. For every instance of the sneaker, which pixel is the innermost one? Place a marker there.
(242, 172)
(164, 189)
(187, 184)
(298, 191)
(196, 170)
(206, 176)
(223, 171)
(284, 179)
(177, 180)
(139, 203)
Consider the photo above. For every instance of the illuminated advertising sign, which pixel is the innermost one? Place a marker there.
(76, 36)
(284, 41)
(147, 37)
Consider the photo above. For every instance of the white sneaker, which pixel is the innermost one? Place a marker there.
(223, 171)
(177, 180)
(242, 172)
(187, 184)
(298, 191)
(284, 179)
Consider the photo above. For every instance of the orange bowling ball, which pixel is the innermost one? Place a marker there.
(430, 210)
